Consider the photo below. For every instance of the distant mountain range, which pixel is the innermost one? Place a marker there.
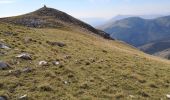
(138, 31)
(120, 17)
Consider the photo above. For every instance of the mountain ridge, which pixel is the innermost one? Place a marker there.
(49, 17)
(127, 29)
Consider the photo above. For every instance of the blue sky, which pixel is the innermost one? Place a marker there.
(88, 8)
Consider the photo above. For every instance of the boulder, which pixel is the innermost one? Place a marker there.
(4, 65)
(24, 56)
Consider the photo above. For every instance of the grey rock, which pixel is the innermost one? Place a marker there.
(24, 97)
(3, 98)
(24, 56)
(4, 65)
(27, 70)
(3, 46)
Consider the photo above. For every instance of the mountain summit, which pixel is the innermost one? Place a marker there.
(51, 18)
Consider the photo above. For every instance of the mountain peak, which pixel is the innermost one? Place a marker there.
(46, 11)
(46, 17)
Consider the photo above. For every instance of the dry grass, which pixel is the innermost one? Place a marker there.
(91, 68)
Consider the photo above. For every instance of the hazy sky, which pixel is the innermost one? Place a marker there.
(87, 8)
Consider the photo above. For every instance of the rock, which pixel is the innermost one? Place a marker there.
(131, 96)
(60, 44)
(168, 96)
(3, 46)
(67, 57)
(3, 98)
(15, 72)
(24, 97)
(65, 82)
(24, 56)
(43, 63)
(56, 62)
(27, 70)
(4, 65)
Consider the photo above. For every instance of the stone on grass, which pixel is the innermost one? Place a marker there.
(4, 65)
(3, 46)
(56, 62)
(67, 57)
(43, 63)
(27, 70)
(168, 96)
(24, 56)
(65, 82)
(24, 97)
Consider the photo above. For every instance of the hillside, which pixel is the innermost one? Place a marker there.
(137, 31)
(158, 48)
(51, 18)
(73, 63)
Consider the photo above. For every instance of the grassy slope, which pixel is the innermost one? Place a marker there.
(98, 69)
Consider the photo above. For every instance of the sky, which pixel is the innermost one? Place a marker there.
(88, 8)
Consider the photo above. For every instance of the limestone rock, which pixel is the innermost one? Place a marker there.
(24, 56)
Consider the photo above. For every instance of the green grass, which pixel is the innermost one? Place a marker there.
(97, 69)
